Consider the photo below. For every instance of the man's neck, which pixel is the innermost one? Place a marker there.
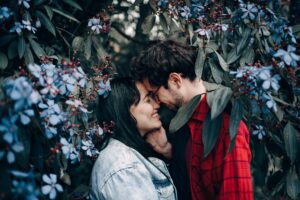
(193, 89)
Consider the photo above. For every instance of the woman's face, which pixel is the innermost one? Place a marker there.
(145, 112)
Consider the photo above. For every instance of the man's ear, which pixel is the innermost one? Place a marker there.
(175, 79)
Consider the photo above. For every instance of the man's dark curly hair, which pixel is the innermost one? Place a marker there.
(160, 58)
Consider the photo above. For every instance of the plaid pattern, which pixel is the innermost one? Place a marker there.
(219, 176)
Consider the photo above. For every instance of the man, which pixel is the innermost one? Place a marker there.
(167, 69)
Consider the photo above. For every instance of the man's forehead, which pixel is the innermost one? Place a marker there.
(148, 86)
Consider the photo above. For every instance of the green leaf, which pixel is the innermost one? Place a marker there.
(63, 13)
(28, 56)
(244, 40)
(36, 48)
(216, 72)
(218, 99)
(49, 11)
(183, 114)
(3, 61)
(232, 56)
(21, 46)
(77, 43)
(222, 62)
(247, 57)
(235, 118)
(292, 183)
(211, 130)
(13, 50)
(73, 4)
(200, 62)
(101, 53)
(148, 23)
(163, 22)
(290, 141)
(38, 2)
(6, 39)
(46, 22)
(88, 47)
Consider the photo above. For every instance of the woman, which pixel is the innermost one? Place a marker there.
(127, 166)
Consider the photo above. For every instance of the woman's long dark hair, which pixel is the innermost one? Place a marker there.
(116, 107)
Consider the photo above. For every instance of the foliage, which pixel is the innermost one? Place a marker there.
(57, 56)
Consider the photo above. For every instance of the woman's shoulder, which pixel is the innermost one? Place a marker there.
(115, 156)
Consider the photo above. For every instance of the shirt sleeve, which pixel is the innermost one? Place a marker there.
(234, 178)
(132, 183)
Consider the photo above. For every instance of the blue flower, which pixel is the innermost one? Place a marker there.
(52, 112)
(185, 12)
(68, 84)
(163, 3)
(24, 187)
(10, 152)
(9, 128)
(95, 24)
(197, 10)
(5, 13)
(50, 88)
(25, 3)
(289, 57)
(104, 88)
(259, 132)
(51, 186)
(268, 80)
(69, 151)
(27, 25)
(21, 92)
(89, 148)
(249, 11)
(269, 101)
(17, 28)
(80, 76)
(77, 104)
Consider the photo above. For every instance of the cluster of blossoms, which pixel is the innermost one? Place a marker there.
(258, 82)
(198, 14)
(99, 24)
(5, 13)
(25, 25)
(46, 93)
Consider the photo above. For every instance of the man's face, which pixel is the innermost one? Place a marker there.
(169, 97)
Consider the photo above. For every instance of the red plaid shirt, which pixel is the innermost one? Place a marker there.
(219, 176)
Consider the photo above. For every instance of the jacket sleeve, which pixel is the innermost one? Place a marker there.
(235, 181)
(133, 182)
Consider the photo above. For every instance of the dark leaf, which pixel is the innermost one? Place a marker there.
(148, 23)
(36, 48)
(73, 4)
(216, 72)
(218, 99)
(200, 62)
(46, 22)
(49, 11)
(236, 116)
(77, 43)
(88, 47)
(290, 141)
(63, 13)
(292, 183)
(28, 56)
(183, 114)
(211, 130)
(3, 61)
(21, 46)
(13, 50)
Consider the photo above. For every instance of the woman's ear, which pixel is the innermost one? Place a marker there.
(175, 79)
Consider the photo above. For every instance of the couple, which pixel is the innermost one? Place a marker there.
(131, 166)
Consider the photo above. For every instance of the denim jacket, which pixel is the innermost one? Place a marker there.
(120, 172)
